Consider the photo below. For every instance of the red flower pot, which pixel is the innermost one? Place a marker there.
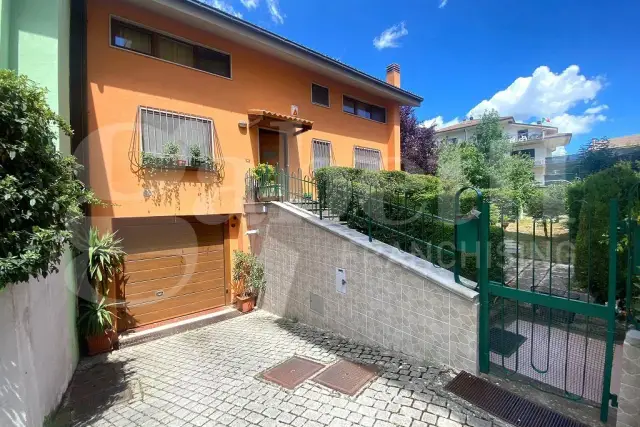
(245, 304)
(103, 343)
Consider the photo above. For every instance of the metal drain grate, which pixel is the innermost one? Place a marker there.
(506, 405)
(292, 372)
(347, 377)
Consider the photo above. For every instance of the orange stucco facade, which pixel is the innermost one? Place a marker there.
(120, 81)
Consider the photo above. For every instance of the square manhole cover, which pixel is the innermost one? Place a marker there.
(347, 377)
(292, 372)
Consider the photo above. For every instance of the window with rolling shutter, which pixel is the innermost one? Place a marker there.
(367, 158)
(321, 154)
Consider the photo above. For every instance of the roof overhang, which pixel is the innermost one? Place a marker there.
(207, 18)
(277, 121)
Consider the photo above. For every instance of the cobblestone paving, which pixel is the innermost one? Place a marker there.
(210, 377)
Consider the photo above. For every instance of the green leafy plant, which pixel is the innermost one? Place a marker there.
(265, 173)
(105, 259)
(592, 239)
(248, 274)
(171, 151)
(95, 318)
(41, 197)
(307, 196)
(196, 155)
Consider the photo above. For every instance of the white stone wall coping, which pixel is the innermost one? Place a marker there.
(439, 275)
(633, 338)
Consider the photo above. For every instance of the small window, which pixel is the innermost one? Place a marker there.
(362, 109)
(320, 95)
(349, 105)
(367, 158)
(159, 128)
(175, 51)
(137, 39)
(321, 154)
(131, 38)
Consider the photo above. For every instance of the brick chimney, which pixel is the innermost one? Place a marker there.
(393, 75)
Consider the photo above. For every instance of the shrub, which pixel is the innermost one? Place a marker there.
(41, 197)
(575, 198)
(248, 274)
(592, 241)
(355, 194)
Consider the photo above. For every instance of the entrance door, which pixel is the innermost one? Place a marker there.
(273, 148)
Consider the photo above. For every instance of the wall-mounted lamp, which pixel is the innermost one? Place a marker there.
(250, 232)
(242, 124)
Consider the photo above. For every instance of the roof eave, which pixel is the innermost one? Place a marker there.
(287, 47)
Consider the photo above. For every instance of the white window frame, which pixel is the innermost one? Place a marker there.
(170, 35)
(370, 150)
(208, 120)
(315, 141)
(328, 95)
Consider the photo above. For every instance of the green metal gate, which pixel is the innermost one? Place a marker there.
(536, 324)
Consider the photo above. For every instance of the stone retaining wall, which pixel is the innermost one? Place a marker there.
(392, 299)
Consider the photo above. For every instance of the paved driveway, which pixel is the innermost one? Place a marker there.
(209, 376)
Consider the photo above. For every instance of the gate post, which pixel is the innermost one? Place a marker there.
(483, 283)
(611, 309)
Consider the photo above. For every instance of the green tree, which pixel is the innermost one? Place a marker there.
(591, 254)
(40, 195)
(547, 204)
(596, 156)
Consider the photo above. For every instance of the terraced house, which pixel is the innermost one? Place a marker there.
(171, 81)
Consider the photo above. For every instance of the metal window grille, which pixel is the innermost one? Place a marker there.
(159, 127)
(367, 158)
(321, 154)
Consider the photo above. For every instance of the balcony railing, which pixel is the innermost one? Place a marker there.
(523, 138)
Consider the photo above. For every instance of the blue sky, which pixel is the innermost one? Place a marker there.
(575, 62)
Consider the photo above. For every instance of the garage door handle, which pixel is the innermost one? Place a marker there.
(159, 293)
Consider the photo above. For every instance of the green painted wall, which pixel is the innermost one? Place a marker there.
(5, 16)
(34, 41)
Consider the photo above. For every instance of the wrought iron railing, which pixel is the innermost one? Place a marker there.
(393, 218)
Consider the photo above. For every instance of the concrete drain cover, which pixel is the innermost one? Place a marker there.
(292, 372)
(347, 377)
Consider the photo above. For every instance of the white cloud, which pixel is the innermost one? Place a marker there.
(558, 152)
(549, 94)
(274, 10)
(544, 93)
(439, 122)
(250, 4)
(225, 7)
(576, 124)
(443, 3)
(596, 110)
(390, 36)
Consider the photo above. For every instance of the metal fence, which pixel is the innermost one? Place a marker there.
(392, 218)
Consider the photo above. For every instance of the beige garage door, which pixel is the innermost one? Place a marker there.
(174, 267)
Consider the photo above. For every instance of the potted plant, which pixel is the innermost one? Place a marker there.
(248, 280)
(96, 326)
(171, 154)
(95, 322)
(268, 188)
(196, 156)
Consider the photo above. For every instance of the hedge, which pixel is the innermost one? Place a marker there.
(592, 241)
(352, 194)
